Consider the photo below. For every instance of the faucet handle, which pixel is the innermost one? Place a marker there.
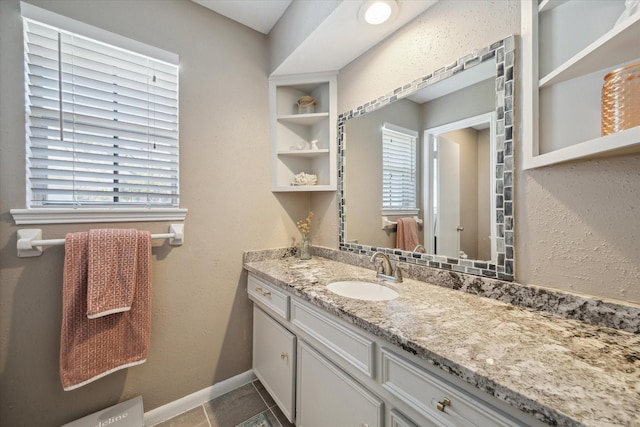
(377, 263)
(398, 274)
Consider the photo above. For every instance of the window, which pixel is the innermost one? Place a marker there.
(101, 123)
(399, 176)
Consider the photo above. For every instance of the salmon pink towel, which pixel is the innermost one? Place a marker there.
(113, 260)
(93, 348)
(407, 234)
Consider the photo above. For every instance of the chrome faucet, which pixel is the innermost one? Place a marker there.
(386, 273)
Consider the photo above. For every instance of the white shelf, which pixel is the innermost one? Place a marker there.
(291, 129)
(301, 188)
(304, 119)
(304, 153)
(625, 142)
(621, 44)
(603, 50)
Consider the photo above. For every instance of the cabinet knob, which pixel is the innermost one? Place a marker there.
(263, 292)
(443, 404)
(364, 425)
(284, 356)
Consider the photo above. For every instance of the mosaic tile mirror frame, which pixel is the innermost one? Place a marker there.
(502, 267)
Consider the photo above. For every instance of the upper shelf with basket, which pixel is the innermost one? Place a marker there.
(303, 132)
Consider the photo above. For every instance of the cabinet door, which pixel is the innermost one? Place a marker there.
(329, 397)
(274, 360)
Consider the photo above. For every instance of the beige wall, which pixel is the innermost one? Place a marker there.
(201, 324)
(577, 224)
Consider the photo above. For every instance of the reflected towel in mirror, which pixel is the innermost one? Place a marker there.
(407, 234)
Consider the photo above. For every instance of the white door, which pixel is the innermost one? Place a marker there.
(328, 397)
(448, 217)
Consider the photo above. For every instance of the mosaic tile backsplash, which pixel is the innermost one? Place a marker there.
(503, 52)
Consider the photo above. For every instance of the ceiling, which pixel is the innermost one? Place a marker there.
(261, 15)
(334, 42)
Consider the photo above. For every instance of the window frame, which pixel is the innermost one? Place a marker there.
(107, 212)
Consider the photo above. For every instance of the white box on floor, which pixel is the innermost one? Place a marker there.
(126, 414)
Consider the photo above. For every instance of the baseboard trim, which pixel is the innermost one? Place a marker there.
(192, 400)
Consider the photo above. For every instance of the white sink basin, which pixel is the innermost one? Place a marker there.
(368, 291)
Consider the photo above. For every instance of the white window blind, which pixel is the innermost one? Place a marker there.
(102, 123)
(399, 180)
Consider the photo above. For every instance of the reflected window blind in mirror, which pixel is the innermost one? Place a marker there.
(399, 171)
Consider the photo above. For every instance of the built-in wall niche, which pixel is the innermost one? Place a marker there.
(303, 139)
(568, 48)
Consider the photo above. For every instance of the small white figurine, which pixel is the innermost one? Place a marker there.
(314, 144)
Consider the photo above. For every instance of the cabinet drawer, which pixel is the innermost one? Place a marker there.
(433, 398)
(351, 346)
(272, 298)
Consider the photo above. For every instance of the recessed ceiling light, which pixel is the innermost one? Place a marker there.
(376, 12)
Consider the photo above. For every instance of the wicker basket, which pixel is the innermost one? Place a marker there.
(621, 99)
(306, 105)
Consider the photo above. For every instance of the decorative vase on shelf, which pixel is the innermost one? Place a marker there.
(306, 105)
(305, 247)
(305, 244)
(621, 99)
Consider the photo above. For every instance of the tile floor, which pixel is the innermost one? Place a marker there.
(232, 409)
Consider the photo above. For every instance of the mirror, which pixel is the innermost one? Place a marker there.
(435, 160)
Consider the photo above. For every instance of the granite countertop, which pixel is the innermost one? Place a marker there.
(562, 371)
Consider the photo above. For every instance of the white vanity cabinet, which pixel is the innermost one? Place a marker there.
(294, 133)
(568, 48)
(345, 376)
(274, 347)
